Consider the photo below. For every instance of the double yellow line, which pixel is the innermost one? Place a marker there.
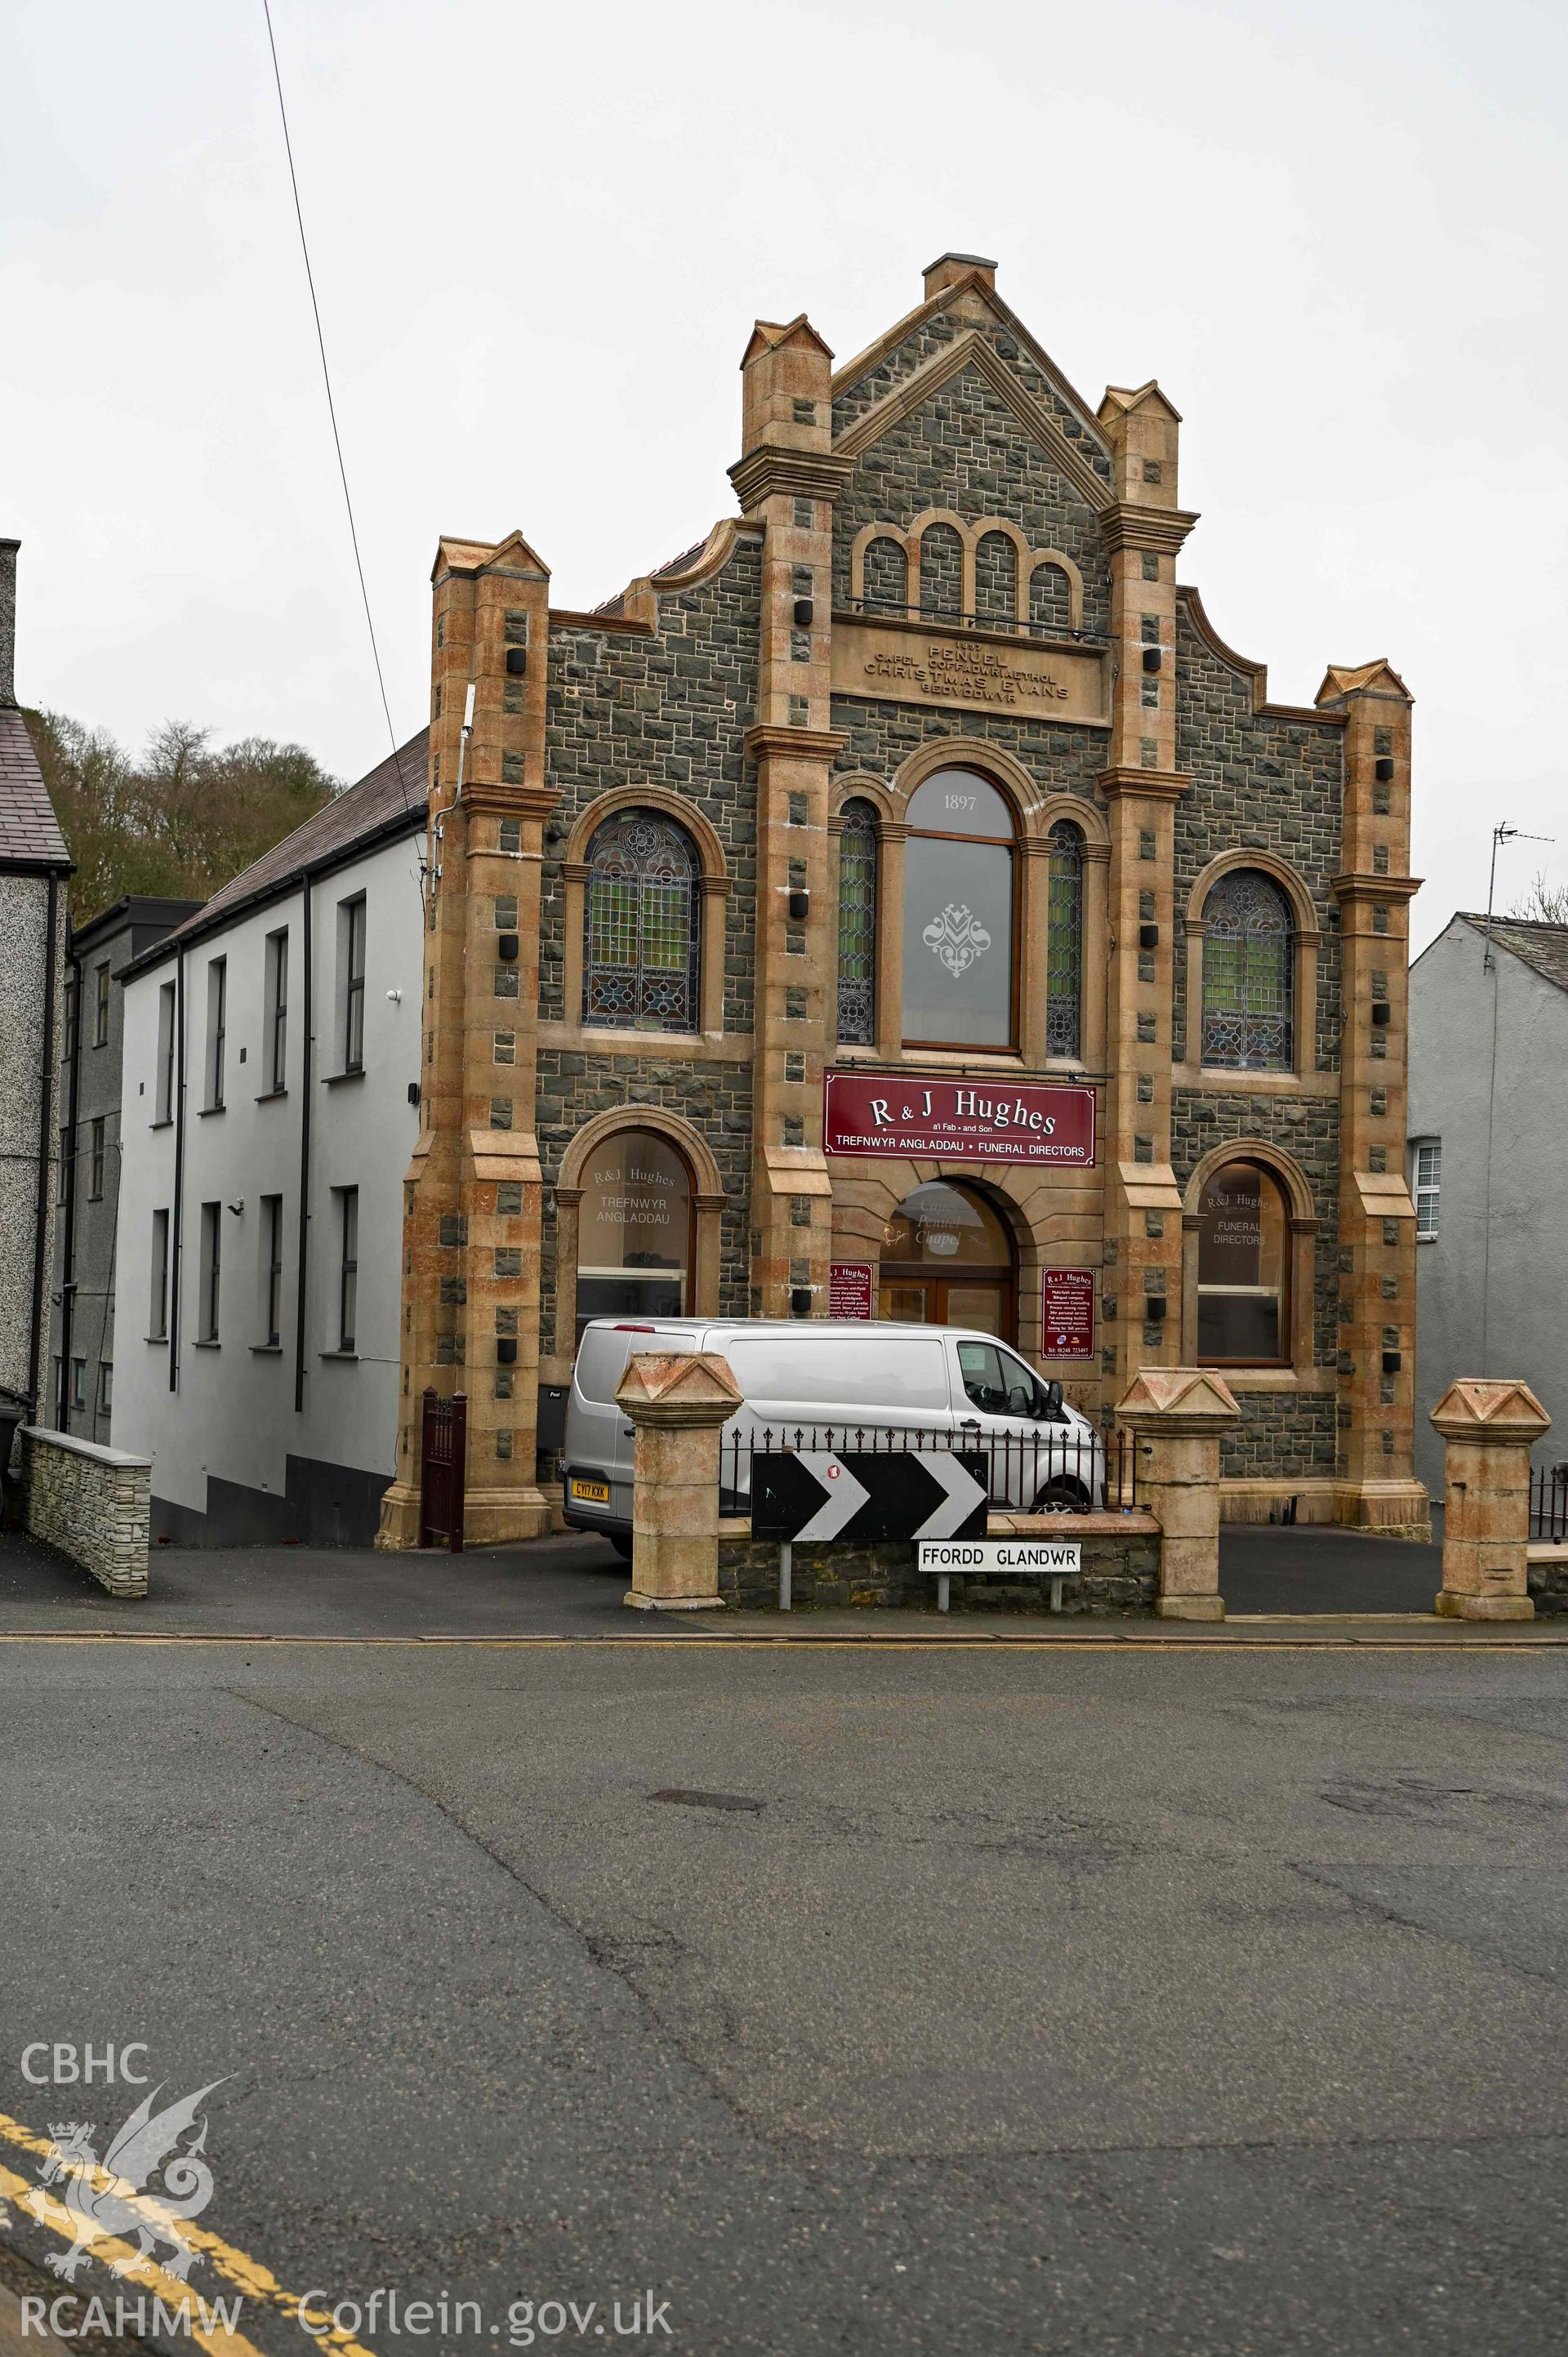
(236, 2268)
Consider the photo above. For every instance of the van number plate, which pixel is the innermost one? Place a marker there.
(596, 1494)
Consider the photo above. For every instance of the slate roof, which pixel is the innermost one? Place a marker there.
(394, 791)
(1543, 946)
(29, 831)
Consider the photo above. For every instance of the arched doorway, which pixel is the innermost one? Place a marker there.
(634, 1230)
(946, 1260)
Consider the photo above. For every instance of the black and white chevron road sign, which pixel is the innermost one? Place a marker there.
(862, 1493)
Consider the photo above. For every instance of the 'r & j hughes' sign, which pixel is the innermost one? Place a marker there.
(983, 1120)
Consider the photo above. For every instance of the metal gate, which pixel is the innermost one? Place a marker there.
(442, 1465)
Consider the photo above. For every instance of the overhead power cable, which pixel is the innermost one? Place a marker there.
(332, 408)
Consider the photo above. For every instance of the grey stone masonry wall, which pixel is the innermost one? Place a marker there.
(669, 711)
(1283, 1436)
(1121, 1574)
(94, 1505)
(934, 336)
(881, 736)
(715, 1098)
(964, 449)
(1546, 1573)
(1263, 783)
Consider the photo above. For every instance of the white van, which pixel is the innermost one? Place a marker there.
(849, 1375)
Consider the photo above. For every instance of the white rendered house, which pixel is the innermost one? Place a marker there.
(270, 1105)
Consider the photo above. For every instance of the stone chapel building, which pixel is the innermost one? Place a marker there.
(904, 904)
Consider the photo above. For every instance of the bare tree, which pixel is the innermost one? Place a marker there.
(183, 820)
(1545, 903)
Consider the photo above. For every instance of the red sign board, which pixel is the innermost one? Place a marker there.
(849, 1288)
(1067, 1313)
(978, 1121)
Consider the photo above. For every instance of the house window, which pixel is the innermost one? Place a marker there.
(105, 1386)
(95, 1163)
(165, 1098)
(157, 1309)
(640, 954)
(857, 925)
(1425, 1184)
(101, 1006)
(68, 1023)
(1247, 959)
(278, 1012)
(78, 1382)
(62, 1167)
(1064, 943)
(351, 951)
(959, 890)
(211, 1271)
(634, 1230)
(1243, 1268)
(348, 1265)
(271, 1270)
(216, 1030)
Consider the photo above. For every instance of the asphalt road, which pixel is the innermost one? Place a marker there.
(958, 1999)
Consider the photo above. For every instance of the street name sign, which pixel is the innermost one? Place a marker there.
(1054, 1558)
(864, 1494)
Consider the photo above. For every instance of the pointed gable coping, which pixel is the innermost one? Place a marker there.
(948, 299)
(512, 554)
(677, 1387)
(971, 350)
(1482, 1409)
(1354, 679)
(1145, 396)
(1178, 1396)
(768, 335)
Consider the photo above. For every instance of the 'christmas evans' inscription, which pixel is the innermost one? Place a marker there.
(896, 662)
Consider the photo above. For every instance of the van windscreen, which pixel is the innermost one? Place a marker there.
(840, 1370)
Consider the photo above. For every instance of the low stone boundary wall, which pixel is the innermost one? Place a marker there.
(94, 1505)
(1546, 1575)
(1120, 1569)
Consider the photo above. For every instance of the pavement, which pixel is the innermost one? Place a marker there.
(1136, 2002)
(1305, 1584)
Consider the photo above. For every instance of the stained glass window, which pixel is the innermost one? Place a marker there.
(641, 952)
(1064, 953)
(857, 925)
(1248, 958)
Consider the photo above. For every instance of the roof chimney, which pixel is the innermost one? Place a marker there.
(8, 620)
(949, 268)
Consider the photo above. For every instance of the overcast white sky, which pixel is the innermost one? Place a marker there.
(1335, 233)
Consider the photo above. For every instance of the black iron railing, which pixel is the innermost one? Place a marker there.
(1056, 1468)
(1548, 1502)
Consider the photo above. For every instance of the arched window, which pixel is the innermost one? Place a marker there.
(639, 959)
(1247, 959)
(634, 1230)
(995, 579)
(1051, 598)
(857, 926)
(886, 576)
(1064, 943)
(1244, 1269)
(942, 570)
(959, 894)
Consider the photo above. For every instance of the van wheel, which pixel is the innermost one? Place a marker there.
(621, 1545)
(1062, 1496)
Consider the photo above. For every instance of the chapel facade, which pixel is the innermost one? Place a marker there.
(904, 904)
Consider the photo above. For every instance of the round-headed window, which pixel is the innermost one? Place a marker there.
(634, 1230)
(1244, 1269)
(960, 915)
